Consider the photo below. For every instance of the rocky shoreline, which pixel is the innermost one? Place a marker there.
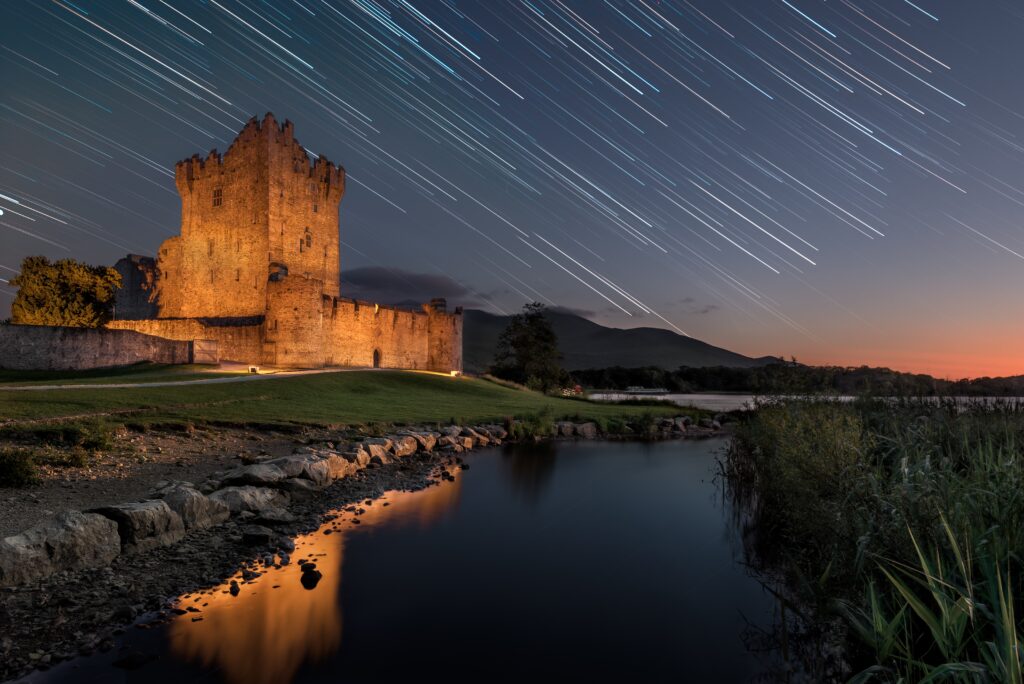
(72, 583)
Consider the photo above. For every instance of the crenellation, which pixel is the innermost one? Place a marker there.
(260, 241)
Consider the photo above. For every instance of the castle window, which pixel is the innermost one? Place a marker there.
(209, 247)
(238, 274)
(309, 238)
(314, 207)
(218, 197)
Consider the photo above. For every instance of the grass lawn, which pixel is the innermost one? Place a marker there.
(352, 397)
(139, 373)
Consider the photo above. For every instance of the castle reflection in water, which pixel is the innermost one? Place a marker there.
(274, 625)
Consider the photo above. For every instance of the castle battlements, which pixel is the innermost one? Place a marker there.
(260, 242)
(266, 134)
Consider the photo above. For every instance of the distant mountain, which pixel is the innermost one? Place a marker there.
(585, 344)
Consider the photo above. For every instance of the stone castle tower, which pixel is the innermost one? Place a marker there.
(261, 208)
(255, 272)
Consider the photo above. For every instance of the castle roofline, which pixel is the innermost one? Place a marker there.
(283, 134)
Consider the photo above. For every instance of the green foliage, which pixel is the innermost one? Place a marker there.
(912, 511)
(536, 425)
(86, 435)
(17, 468)
(790, 378)
(528, 353)
(64, 292)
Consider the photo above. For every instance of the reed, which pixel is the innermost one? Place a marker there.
(911, 513)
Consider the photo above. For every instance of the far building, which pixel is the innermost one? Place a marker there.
(254, 276)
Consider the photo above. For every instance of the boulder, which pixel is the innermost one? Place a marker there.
(144, 525)
(338, 466)
(195, 509)
(479, 439)
(69, 541)
(452, 430)
(257, 475)
(298, 486)
(293, 465)
(425, 441)
(360, 457)
(586, 430)
(254, 499)
(404, 445)
(687, 421)
(378, 449)
(497, 431)
(680, 424)
(564, 428)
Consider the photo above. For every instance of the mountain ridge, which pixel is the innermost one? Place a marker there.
(585, 344)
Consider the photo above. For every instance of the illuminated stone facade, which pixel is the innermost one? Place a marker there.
(257, 268)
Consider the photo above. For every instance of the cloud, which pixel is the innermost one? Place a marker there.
(396, 286)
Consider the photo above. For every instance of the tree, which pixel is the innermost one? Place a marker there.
(66, 292)
(528, 351)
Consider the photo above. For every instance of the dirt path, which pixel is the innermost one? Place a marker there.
(172, 383)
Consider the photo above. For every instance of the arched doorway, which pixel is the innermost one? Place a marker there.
(376, 358)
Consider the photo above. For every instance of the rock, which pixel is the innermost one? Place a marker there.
(298, 486)
(704, 423)
(257, 535)
(564, 428)
(586, 430)
(254, 499)
(404, 445)
(452, 431)
(70, 541)
(310, 466)
(687, 421)
(378, 449)
(339, 467)
(721, 418)
(310, 578)
(426, 441)
(715, 425)
(145, 525)
(274, 516)
(680, 424)
(497, 431)
(195, 509)
(257, 475)
(478, 438)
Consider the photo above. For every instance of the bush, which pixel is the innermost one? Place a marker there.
(17, 468)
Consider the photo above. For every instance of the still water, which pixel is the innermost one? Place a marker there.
(583, 561)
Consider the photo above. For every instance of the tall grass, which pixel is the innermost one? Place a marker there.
(910, 517)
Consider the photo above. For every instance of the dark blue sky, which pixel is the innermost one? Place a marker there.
(841, 180)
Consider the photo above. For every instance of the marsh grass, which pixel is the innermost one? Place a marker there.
(909, 515)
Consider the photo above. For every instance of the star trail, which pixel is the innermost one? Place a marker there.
(840, 180)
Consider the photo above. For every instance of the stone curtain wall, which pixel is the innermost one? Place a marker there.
(240, 341)
(38, 347)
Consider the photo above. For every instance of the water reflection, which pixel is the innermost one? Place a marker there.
(529, 467)
(274, 625)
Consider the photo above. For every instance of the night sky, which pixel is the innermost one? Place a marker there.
(842, 181)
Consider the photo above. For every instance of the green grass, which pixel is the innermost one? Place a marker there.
(905, 520)
(354, 397)
(138, 373)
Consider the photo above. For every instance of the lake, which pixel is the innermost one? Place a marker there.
(734, 402)
(557, 561)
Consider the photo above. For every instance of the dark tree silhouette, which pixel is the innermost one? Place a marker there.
(528, 353)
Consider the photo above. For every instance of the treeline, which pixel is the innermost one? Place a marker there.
(789, 378)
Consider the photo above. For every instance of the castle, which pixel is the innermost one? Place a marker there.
(254, 276)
